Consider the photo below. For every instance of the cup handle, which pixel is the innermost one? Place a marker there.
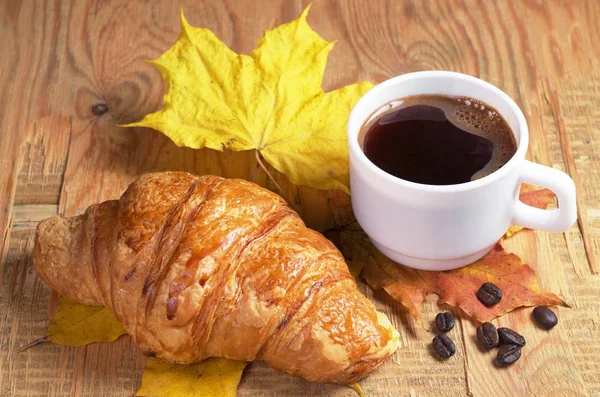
(562, 186)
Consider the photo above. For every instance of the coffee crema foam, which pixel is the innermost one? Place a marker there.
(468, 114)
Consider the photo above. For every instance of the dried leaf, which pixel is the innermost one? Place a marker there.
(341, 208)
(213, 377)
(355, 268)
(271, 101)
(75, 324)
(512, 230)
(535, 197)
(457, 287)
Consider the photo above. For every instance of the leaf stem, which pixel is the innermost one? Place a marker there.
(264, 167)
(43, 339)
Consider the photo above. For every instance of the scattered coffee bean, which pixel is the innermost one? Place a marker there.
(443, 346)
(488, 335)
(508, 354)
(444, 321)
(489, 294)
(99, 109)
(510, 337)
(543, 316)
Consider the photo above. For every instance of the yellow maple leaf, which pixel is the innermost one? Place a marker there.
(213, 377)
(271, 101)
(75, 324)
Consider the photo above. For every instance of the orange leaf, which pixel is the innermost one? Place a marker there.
(382, 273)
(539, 198)
(534, 197)
(457, 287)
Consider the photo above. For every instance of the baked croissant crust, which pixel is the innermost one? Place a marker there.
(198, 267)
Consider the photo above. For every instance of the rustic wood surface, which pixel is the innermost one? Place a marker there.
(59, 58)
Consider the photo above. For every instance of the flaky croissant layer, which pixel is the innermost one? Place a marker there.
(198, 267)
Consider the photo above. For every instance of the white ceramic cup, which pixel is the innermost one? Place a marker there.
(445, 227)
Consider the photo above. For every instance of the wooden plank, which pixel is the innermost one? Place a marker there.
(572, 114)
(9, 142)
(27, 216)
(63, 57)
(24, 303)
(43, 162)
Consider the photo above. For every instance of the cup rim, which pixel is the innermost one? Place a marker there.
(355, 124)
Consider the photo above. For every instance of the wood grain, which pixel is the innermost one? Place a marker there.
(62, 57)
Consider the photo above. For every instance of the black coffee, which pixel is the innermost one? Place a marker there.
(438, 140)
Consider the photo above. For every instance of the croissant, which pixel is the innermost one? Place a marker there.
(198, 267)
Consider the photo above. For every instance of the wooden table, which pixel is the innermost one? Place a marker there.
(59, 58)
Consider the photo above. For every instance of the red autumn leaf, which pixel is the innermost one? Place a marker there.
(530, 195)
(535, 197)
(456, 287)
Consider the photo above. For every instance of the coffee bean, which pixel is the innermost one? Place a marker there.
(488, 335)
(510, 337)
(544, 317)
(489, 294)
(99, 109)
(443, 346)
(508, 354)
(444, 321)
